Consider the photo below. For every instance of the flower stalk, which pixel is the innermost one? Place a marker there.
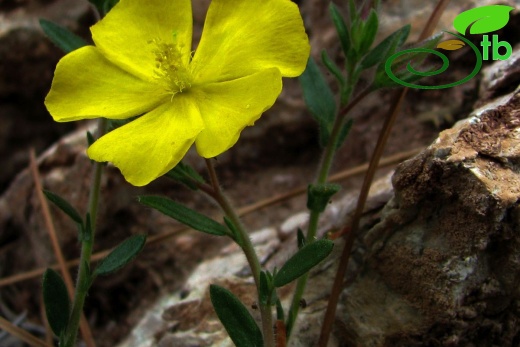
(247, 247)
(84, 276)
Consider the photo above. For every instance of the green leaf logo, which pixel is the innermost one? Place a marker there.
(482, 19)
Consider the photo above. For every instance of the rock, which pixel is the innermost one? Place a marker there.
(501, 77)
(442, 265)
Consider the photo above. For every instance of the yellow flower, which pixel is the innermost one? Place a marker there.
(142, 65)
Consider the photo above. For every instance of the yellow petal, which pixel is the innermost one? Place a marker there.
(124, 34)
(242, 37)
(228, 107)
(86, 85)
(153, 144)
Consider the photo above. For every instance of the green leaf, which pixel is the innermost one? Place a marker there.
(319, 99)
(318, 195)
(303, 261)
(235, 317)
(485, 19)
(61, 36)
(90, 139)
(333, 68)
(341, 28)
(113, 124)
(264, 290)
(99, 4)
(64, 205)
(345, 130)
(352, 11)
(386, 48)
(109, 4)
(280, 315)
(369, 32)
(104, 6)
(184, 215)
(124, 253)
(356, 36)
(56, 299)
(186, 175)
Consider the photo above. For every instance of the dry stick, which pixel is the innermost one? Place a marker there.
(21, 334)
(390, 160)
(337, 287)
(84, 327)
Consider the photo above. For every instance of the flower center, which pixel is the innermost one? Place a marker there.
(169, 66)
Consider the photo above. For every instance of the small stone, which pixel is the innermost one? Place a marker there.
(291, 225)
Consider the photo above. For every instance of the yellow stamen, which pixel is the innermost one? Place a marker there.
(170, 68)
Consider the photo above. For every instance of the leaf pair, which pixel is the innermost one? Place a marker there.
(56, 299)
(55, 295)
(235, 317)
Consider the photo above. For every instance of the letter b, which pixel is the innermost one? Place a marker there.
(496, 45)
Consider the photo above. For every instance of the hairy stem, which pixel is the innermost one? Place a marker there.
(83, 280)
(323, 174)
(247, 247)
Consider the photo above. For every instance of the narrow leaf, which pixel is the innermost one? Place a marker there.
(303, 261)
(344, 132)
(184, 215)
(98, 3)
(61, 36)
(63, 205)
(482, 19)
(353, 12)
(56, 299)
(235, 317)
(264, 292)
(332, 67)
(186, 175)
(109, 4)
(386, 47)
(369, 32)
(90, 139)
(235, 233)
(280, 315)
(319, 99)
(125, 252)
(341, 28)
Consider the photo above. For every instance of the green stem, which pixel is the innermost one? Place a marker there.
(248, 249)
(323, 174)
(84, 278)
